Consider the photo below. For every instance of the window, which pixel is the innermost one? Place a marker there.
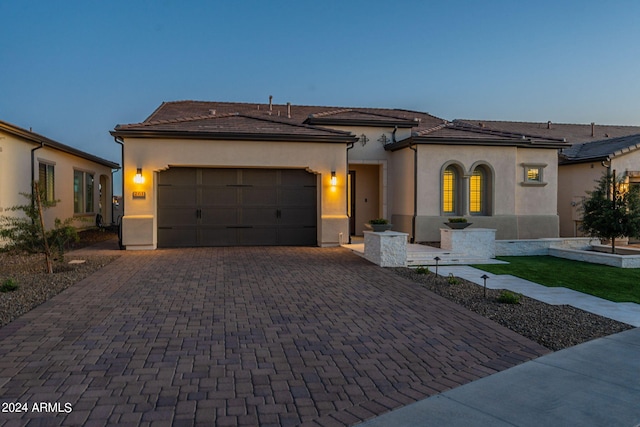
(534, 174)
(82, 192)
(46, 181)
(477, 193)
(450, 190)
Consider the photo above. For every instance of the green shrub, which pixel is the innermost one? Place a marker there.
(422, 270)
(452, 279)
(379, 221)
(457, 220)
(508, 297)
(9, 285)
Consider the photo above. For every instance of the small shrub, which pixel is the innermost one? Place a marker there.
(452, 279)
(9, 285)
(422, 270)
(508, 297)
(452, 220)
(379, 221)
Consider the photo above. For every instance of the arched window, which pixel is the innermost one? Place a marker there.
(451, 191)
(479, 191)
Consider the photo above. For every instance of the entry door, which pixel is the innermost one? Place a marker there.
(235, 207)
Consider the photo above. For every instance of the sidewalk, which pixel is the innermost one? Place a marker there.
(592, 384)
(596, 383)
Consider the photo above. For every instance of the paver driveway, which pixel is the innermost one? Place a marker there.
(243, 336)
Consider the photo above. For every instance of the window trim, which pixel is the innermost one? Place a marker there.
(458, 189)
(526, 182)
(488, 188)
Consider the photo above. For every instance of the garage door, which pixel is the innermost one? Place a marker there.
(236, 207)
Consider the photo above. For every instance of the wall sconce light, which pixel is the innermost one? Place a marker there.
(138, 179)
(334, 180)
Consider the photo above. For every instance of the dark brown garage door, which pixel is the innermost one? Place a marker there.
(236, 207)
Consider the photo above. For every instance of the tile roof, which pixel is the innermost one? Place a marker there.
(572, 133)
(184, 114)
(48, 142)
(600, 150)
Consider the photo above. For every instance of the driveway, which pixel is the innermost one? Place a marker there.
(242, 336)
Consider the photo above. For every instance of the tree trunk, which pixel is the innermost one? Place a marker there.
(47, 251)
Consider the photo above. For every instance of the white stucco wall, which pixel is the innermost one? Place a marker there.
(155, 155)
(15, 171)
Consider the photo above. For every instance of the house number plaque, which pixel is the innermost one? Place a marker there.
(139, 194)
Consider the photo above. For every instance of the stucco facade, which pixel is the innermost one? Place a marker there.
(386, 163)
(24, 152)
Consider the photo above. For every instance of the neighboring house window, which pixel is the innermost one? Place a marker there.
(82, 192)
(480, 191)
(450, 190)
(534, 174)
(46, 181)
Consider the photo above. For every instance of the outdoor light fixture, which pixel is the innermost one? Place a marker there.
(138, 179)
(334, 180)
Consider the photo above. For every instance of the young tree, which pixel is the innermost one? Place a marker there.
(610, 212)
(27, 232)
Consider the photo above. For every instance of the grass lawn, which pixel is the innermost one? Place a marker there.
(611, 283)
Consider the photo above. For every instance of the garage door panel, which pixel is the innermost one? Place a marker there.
(176, 196)
(258, 196)
(228, 207)
(219, 177)
(260, 177)
(177, 237)
(257, 236)
(298, 217)
(221, 216)
(173, 217)
(178, 176)
(219, 196)
(259, 216)
(304, 196)
(218, 236)
(297, 236)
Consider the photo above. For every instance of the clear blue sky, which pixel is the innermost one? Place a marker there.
(72, 70)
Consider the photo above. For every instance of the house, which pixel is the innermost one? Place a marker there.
(582, 165)
(219, 174)
(81, 183)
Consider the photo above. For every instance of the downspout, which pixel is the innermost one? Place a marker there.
(349, 147)
(33, 170)
(120, 141)
(415, 191)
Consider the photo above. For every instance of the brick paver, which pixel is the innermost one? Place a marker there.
(243, 336)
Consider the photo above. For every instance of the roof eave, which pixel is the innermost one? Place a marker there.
(235, 136)
(40, 139)
(431, 140)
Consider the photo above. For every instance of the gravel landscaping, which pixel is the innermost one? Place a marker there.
(34, 285)
(553, 326)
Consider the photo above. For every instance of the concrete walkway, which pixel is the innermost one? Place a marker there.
(626, 312)
(242, 336)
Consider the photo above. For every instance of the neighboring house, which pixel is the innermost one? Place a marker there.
(80, 182)
(582, 165)
(222, 174)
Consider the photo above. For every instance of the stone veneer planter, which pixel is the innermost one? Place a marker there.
(475, 242)
(386, 249)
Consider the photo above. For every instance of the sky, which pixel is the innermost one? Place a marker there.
(72, 70)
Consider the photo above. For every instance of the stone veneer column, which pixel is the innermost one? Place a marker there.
(386, 249)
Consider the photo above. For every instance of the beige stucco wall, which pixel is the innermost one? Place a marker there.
(155, 155)
(517, 211)
(577, 179)
(15, 171)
